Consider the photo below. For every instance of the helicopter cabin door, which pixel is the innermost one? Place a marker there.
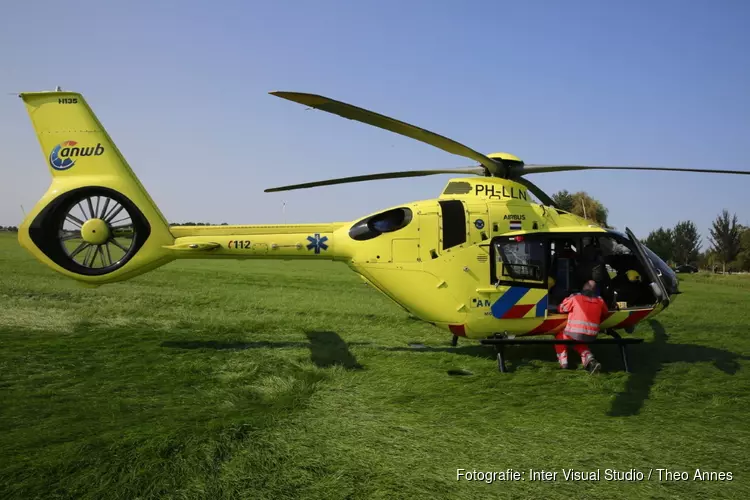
(519, 270)
(660, 291)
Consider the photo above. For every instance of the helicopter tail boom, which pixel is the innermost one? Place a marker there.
(278, 241)
(96, 223)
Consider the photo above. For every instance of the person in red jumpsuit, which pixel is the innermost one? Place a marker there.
(586, 310)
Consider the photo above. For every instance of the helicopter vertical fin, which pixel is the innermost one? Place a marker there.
(75, 143)
(86, 165)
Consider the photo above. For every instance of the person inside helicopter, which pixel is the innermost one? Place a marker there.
(571, 261)
(562, 270)
(628, 285)
(619, 274)
(611, 264)
(592, 267)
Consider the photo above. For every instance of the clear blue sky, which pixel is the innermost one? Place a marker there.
(182, 88)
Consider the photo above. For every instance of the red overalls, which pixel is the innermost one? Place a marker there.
(584, 316)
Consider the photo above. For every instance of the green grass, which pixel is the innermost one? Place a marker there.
(274, 380)
(731, 280)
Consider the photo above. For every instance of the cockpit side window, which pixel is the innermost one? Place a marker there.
(520, 261)
(454, 223)
(385, 222)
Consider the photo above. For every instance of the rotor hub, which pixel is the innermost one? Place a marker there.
(505, 157)
(511, 165)
(95, 231)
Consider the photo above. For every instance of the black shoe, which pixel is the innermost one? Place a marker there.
(593, 367)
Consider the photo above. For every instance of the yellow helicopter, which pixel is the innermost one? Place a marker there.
(482, 259)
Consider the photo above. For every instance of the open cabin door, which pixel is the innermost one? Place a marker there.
(660, 292)
(519, 269)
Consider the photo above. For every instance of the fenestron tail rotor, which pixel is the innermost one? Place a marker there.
(97, 232)
(96, 223)
(91, 231)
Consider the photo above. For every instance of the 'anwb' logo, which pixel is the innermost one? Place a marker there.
(64, 155)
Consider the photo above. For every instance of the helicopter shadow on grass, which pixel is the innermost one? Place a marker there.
(646, 360)
(649, 358)
(327, 349)
(516, 355)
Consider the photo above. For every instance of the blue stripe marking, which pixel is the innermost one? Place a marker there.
(507, 300)
(541, 307)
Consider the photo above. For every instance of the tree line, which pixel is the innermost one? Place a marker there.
(582, 205)
(12, 229)
(729, 244)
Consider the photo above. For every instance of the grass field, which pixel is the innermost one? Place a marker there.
(270, 380)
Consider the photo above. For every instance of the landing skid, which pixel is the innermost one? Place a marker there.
(501, 340)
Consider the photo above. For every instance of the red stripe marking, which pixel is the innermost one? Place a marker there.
(458, 330)
(633, 318)
(550, 325)
(518, 311)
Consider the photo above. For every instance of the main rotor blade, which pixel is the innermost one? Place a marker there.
(538, 169)
(537, 191)
(385, 175)
(391, 124)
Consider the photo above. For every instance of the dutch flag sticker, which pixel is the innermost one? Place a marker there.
(515, 225)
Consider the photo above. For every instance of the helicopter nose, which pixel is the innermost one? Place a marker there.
(666, 275)
(668, 278)
(672, 286)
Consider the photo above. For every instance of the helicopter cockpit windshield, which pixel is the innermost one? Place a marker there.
(666, 274)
